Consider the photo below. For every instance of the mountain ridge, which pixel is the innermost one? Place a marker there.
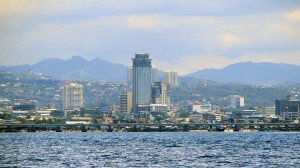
(75, 68)
(78, 68)
(264, 73)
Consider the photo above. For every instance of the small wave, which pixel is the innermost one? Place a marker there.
(172, 146)
(206, 156)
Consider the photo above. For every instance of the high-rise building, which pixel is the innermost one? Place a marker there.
(141, 80)
(236, 101)
(171, 78)
(126, 103)
(160, 98)
(160, 94)
(73, 96)
(154, 74)
(240, 102)
(129, 75)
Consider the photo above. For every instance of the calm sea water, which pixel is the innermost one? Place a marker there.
(166, 149)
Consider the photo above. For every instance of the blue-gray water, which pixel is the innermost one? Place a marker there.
(166, 149)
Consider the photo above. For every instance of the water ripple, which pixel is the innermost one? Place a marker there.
(174, 149)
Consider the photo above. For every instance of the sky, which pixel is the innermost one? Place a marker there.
(182, 35)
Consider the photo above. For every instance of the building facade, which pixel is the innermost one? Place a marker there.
(160, 94)
(129, 75)
(154, 74)
(236, 101)
(72, 96)
(141, 80)
(199, 108)
(160, 98)
(288, 108)
(126, 103)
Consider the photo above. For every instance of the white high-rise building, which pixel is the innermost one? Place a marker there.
(236, 101)
(73, 96)
(171, 78)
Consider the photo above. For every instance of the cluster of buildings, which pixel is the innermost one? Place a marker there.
(147, 97)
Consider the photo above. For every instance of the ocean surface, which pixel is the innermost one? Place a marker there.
(152, 149)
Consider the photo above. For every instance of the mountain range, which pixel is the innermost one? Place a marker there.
(263, 73)
(77, 68)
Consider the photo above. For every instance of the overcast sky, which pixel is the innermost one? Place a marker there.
(186, 35)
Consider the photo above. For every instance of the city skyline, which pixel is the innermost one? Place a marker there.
(149, 83)
(178, 35)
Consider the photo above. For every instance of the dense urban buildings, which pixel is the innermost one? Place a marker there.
(27, 98)
(141, 77)
(72, 96)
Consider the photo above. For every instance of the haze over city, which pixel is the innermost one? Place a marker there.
(181, 35)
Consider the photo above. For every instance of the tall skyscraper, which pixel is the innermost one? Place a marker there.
(141, 80)
(73, 96)
(171, 78)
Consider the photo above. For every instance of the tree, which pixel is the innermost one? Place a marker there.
(5, 116)
(183, 114)
(57, 113)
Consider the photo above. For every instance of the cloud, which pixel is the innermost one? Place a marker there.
(293, 16)
(177, 35)
(194, 63)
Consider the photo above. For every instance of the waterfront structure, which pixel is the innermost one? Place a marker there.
(236, 101)
(171, 78)
(288, 108)
(141, 80)
(126, 103)
(72, 96)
